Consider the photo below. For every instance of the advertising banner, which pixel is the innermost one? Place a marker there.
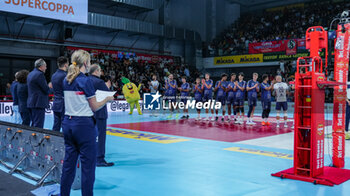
(267, 47)
(72, 11)
(341, 67)
(238, 59)
(291, 48)
(114, 106)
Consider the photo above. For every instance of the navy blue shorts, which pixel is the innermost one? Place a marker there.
(283, 105)
(239, 102)
(221, 99)
(230, 100)
(266, 104)
(207, 97)
(252, 101)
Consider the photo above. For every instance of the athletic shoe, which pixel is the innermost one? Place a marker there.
(249, 123)
(187, 117)
(241, 122)
(268, 123)
(212, 118)
(228, 120)
(198, 118)
(206, 118)
(263, 123)
(222, 119)
(183, 117)
(252, 123)
(216, 118)
(278, 126)
(285, 126)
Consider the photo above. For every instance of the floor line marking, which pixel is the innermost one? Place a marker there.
(260, 152)
(144, 136)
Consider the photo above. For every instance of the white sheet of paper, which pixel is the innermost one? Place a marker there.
(101, 95)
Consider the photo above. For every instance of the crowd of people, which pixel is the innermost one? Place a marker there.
(287, 23)
(137, 71)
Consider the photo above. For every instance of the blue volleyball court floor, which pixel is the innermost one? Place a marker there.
(172, 162)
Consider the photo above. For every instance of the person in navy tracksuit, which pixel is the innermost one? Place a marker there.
(78, 125)
(57, 85)
(100, 116)
(13, 89)
(22, 96)
(38, 94)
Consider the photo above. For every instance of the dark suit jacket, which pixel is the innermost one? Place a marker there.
(99, 84)
(14, 92)
(22, 96)
(57, 85)
(38, 90)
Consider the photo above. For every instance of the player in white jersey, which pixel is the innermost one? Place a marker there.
(280, 91)
(154, 85)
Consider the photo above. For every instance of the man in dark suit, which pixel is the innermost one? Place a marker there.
(57, 85)
(100, 116)
(38, 93)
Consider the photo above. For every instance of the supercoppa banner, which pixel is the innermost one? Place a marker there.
(66, 10)
(341, 67)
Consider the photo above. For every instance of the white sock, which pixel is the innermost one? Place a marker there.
(278, 122)
(285, 122)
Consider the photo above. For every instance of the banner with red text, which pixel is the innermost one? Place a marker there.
(341, 67)
(266, 47)
(72, 11)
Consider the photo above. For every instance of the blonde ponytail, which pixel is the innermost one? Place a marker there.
(78, 59)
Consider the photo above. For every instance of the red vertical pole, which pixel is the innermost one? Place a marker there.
(341, 66)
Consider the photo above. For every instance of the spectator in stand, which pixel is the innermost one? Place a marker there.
(22, 93)
(8, 89)
(38, 93)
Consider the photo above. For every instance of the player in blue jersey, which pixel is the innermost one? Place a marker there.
(207, 88)
(231, 97)
(220, 89)
(197, 90)
(266, 89)
(170, 93)
(184, 93)
(240, 87)
(252, 89)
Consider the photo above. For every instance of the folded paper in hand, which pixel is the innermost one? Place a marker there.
(101, 95)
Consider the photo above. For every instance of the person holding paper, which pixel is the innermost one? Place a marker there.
(100, 116)
(79, 125)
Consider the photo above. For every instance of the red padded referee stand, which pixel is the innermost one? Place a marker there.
(309, 117)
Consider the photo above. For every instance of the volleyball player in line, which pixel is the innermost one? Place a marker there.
(280, 90)
(220, 88)
(266, 89)
(197, 90)
(231, 97)
(207, 88)
(184, 93)
(253, 89)
(240, 87)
